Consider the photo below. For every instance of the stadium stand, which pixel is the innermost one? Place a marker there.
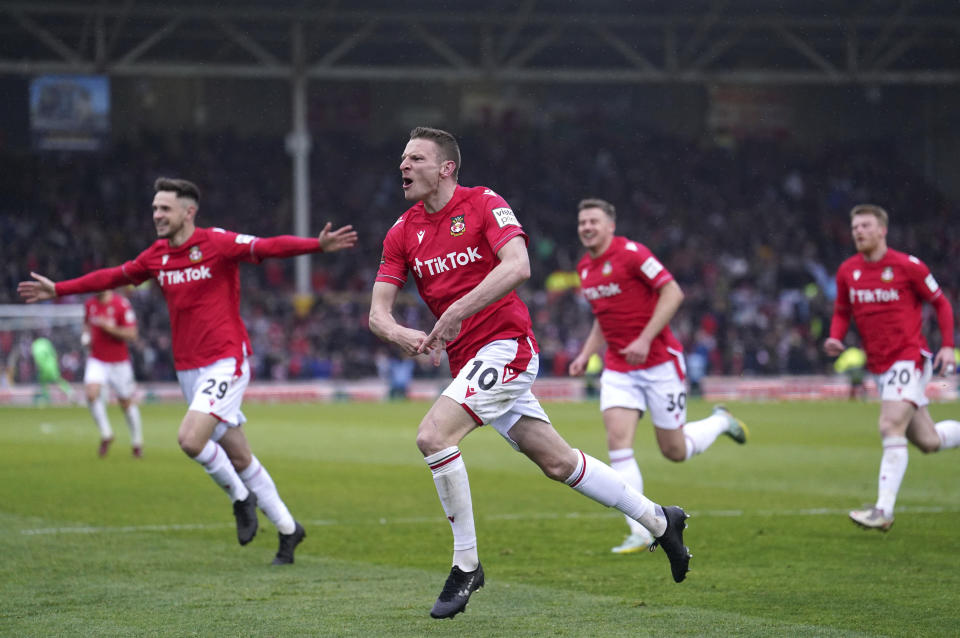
(752, 232)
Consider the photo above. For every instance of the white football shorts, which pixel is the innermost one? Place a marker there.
(660, 390)
(215, 390)
(494, 386)
(905, 382)
(117, 375)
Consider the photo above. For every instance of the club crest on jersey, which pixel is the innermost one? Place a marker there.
(607, 269)
(195, 254)
(457, 225)
(856, 275)
(887, 274)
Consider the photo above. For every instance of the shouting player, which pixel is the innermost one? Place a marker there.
(109, 324)
(884, 290)
(468, 253)
(197, 270)
(633, 298)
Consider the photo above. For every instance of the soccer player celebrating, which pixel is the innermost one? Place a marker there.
(633, 297)
(197, 270)
(109, 323)
(883, 290)
(468, 253)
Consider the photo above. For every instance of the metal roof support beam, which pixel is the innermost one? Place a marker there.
(807, 51)
(147, 43)
(441, 48)
(897, 50)
(632, 55)
(716, 49)
(907, 41)
(535, 47)
(347, 44)
(118, 27)
(247, 43)
(703, 28)
(520, 19)
(891, 25)
(59, 46)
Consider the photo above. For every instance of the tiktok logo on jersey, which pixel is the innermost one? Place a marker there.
(173, 277)
(450, 261)
(875, 295)
(602, 291)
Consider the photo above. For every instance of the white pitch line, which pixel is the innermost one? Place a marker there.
(420, 520)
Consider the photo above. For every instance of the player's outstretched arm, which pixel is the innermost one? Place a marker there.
(334, 240)
(39, 290)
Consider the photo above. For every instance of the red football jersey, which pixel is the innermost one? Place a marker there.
(884, 298)
(450, 252)
(118, 312)
(201, 283)
(621, 286)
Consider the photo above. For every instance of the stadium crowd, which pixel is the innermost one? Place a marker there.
(752, 231)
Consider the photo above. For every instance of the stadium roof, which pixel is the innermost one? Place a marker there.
(645, 41)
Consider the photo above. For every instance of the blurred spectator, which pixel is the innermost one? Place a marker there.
(752, 233)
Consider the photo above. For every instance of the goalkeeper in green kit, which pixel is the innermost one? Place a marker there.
(48, 369)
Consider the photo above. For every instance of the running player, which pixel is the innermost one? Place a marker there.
(633, 298)
(197, 270)
(468, 253)
(883, 290)
(109, 324)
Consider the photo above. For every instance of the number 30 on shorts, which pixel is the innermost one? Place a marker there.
(221, 390)
(676, 401)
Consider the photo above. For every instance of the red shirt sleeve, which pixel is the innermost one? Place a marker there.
(125, 316)
(500, 223)
(255, 249)
(284, 246)
(393, 265)
(645, 266)
(927, 288)
(841, 309)
(95, 281)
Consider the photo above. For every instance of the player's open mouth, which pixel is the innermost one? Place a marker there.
(407, 182)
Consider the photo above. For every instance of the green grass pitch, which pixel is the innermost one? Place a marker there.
(125, 547)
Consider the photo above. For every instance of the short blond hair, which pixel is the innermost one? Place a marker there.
(871, 209)
(446, 143)
(602, 204)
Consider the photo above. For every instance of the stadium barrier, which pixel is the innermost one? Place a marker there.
(787, 388)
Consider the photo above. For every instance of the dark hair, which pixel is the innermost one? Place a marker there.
(181, 187)
(602, 204)
(871, 209)
(446, 142)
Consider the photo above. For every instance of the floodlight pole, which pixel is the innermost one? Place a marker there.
(298, 145)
